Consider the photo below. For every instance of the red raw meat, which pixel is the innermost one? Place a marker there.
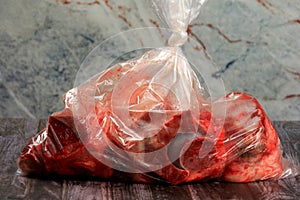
(252, 146)
(86, 138)
(59, 150)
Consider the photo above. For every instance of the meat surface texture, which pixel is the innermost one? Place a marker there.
(154, 142)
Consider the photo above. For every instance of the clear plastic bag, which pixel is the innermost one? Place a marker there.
(149, 119)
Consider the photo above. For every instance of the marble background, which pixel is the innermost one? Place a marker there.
(255, 43)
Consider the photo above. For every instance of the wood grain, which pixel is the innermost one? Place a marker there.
(15, 133)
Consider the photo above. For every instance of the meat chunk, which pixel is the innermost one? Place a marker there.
(151, 139)
(59, 150)
(252, 144)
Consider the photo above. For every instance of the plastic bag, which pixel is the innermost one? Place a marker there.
(149, 119)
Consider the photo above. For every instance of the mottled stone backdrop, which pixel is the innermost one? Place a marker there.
(255, 43)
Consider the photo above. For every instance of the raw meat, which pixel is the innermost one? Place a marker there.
(253, 146)
(94, 142)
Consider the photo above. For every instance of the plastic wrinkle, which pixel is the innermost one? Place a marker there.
(148, 120)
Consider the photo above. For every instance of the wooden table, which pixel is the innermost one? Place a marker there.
(15, 133)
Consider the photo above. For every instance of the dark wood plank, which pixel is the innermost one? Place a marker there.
(288, 131)
(282, 189)
(12, 140)
(219, 190)
(14, 135)
(33, 188)
(170, 192)
(107, 190)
